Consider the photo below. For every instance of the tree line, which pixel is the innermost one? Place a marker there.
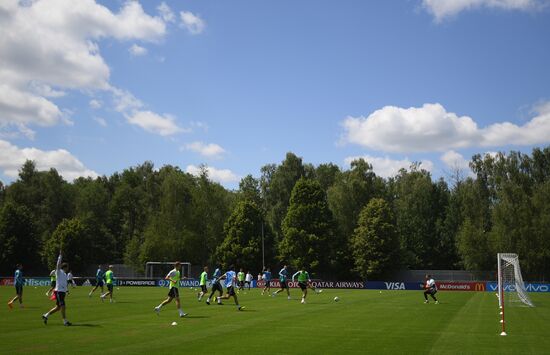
(347, 224)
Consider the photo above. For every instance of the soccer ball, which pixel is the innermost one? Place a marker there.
(336, 299)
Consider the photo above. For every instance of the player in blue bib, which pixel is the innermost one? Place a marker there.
(230, 281)
(18, 282)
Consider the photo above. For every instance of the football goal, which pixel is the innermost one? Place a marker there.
(511, 289)
(159, 269)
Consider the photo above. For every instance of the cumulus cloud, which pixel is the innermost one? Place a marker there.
(432, 128)
(442, 9)
(95, 104)
(210, 150)
(101, 121)
(454, 160)
(13, 157)
(387, 167)
(218, 175)
(46, 44)
(137, 51)
(193, 23)
(166, 12)
(152, 122)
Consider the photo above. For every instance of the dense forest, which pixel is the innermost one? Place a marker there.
(349, 224)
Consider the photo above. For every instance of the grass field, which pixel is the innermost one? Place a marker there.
(363, 321)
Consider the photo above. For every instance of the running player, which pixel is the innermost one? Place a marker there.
(267, 280)
(204, 277)
(283, 280)
(216, 286)
(18, 282)
(70, 280)
(248, 280)
(430, 289)
(303, 281)
(61, 270)
(109, 281)
(99, 276)
(174, 277)
(240, 278)
(52, 283)
(230, 279)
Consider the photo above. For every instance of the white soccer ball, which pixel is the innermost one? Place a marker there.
(336, 299)
(174, 323)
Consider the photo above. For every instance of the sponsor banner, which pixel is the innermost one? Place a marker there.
(136, 282)
(530, 287)
(38, 281)
(275, 283)
(392, 285)
(6, 282)
(461, 286)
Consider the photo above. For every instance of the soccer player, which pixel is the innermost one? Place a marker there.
(99, 276)
(248, 279)
(18, 282)
(230, 278)
(267, 278)
(204, 277)
(304, 282)
(174, 276)
(216, 286)
(283, 279)
(61, 270)
(430, 289)
(240, 278)
(52, 283)
(109, 281)
(70, 279)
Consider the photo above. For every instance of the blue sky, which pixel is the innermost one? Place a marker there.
(96, 87)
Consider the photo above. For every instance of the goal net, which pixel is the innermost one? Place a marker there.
(510, 282)
(159, 269)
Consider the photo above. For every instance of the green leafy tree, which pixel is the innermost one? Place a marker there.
(375, 243)
(76, 243)
(242, 245)
(307, 228)
(18, 239)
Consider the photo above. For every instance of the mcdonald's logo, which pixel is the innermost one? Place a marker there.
(479, 286)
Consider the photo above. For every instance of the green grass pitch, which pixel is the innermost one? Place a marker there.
(363, 321)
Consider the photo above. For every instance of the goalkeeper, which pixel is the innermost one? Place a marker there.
(429, 289)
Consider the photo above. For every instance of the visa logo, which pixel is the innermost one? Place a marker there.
(395, 285)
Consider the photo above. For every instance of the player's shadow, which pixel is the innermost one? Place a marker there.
(197, 317)
(86, 325)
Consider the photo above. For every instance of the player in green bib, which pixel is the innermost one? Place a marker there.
(52, 283)
(109, 281)
(240, 279)
(304, 282)
(173, 279)
(203, 279)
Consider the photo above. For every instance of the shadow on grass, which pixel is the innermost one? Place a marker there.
(86, 325)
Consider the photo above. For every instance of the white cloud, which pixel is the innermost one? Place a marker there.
(95, 104)
(136, 50)
(101, 121)
(454, 160)
(124, 100)
(152, 122)
(13, 157)
(194, 24)
(211, 150)
(432, 128)
(218, 175)
(442, 9)
(54, 43)
(166, 12)
(387, 167)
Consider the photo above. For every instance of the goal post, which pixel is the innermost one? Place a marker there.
(159, 269)
(511, 288)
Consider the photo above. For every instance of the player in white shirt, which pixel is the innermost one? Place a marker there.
(61, 270)
(430, 288)
(230, 278)
(248, 280)
(70, 279)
